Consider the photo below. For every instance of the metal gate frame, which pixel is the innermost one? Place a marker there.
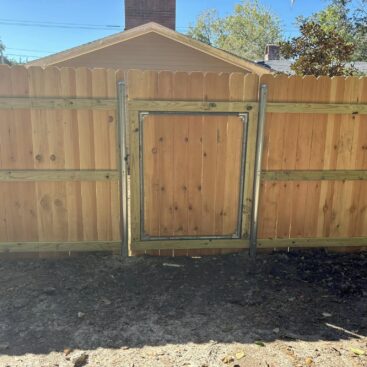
(244, 119)
(132, 136)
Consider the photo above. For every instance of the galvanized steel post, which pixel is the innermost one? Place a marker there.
(257, 178)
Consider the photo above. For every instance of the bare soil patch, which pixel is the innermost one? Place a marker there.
(295, 309)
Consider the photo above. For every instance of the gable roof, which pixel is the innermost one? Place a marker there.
(145, 29)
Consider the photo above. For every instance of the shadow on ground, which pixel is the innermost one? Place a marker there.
(103, 301)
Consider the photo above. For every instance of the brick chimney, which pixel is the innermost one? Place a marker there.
(272, 52)
(138, 12)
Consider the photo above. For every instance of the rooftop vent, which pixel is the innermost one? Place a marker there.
(272, 52)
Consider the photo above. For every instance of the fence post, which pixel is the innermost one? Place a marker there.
(257, 176)
(122, 162)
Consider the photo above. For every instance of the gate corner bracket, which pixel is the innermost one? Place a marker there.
(143, 115)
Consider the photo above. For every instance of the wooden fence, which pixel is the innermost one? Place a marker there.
(314, 189)
(59, 157)
(58, 163)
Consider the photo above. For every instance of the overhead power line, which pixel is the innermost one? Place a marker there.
(43, 24)
(59, 23)
(64, 25)
(30, 50)
(20, 55)
(55, 26)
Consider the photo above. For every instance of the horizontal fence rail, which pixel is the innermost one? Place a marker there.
(57, 103)
(193, 106)
(274, 107)
(108, 103)
(62, 246)
(328, 108)
(325, 175)
(59, 175)
(312, 242)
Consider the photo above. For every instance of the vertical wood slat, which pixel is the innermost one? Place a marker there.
(166, 160)
(269, 191)
(290, 157)
(180, 161)
(21, 142)
(215, 87)
(349, 131)
(140, 85)
(72, 156)
(298, 220)
(57, 139)
(9, 209)
(358, 221)
(196, 132)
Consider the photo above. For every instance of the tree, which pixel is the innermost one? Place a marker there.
(246, 32)
(207, 27)
(4, 59)
(319, 52)
(360, 21)
(351, 25)
(335, 17)
(2, 49)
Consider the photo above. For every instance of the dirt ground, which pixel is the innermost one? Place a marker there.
(296, 309)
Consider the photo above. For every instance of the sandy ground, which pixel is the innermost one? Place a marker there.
(295, 309)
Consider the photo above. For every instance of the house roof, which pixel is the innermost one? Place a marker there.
(284, 66)
(145, 29)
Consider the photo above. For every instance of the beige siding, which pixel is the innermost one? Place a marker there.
(151, 52)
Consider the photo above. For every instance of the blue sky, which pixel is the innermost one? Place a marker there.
(24, 40)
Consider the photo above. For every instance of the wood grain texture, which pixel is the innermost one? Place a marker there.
(191, 162)
(320, 143)
(217, 187)
(52, 152)
(314, 175)
(18, 102)
(174, 176)
(66, 246)
(58, 162)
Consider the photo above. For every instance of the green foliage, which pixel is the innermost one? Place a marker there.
(318, 51)
(6, 59)
(207, 27)
(352, 26)
(335, 17)
(246, 32)
(360, 27)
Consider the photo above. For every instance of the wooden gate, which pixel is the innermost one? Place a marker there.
(191, 170)
(190, 180)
